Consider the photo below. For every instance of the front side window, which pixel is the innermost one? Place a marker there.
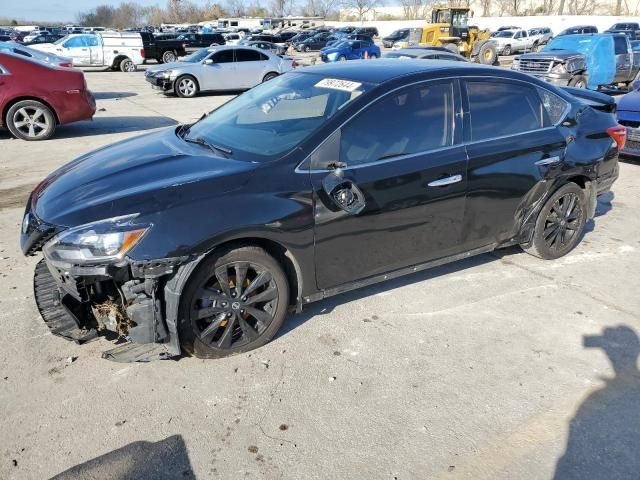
(274, 117)
(76, 42)
(501, 109)
(412, 120)
(225, 56)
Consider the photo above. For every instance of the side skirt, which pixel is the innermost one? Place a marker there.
(396, 273)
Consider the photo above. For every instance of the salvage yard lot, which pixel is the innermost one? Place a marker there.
(471, 370)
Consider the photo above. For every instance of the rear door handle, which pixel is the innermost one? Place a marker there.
(443, 182)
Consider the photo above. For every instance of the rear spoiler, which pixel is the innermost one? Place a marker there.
(597, 100)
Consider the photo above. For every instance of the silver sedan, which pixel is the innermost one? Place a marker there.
(218, 68)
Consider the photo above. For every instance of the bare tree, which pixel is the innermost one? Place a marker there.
(486, 7)
(236, 8)
(361, 7)
(511, 7)
(282, 8)
(415, 9)
(581, 7)
(318, 8)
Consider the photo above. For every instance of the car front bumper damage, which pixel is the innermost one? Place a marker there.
(134, 304)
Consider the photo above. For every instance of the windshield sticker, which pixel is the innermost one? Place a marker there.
(337, 84)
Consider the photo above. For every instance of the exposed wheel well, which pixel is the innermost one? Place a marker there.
(20, 99)
(117, 60)
(283, 256)
(581, 180)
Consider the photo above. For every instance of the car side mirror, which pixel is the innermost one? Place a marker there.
(342, 194)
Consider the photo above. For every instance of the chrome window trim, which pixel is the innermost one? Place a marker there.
(463, 143)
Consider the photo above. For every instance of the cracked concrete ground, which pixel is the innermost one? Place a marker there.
(476, 370)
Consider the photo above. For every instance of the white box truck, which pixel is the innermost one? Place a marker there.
(124, 51)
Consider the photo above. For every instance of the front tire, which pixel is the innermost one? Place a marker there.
(342, 58)
(579, 81)
(186, 86)
(234, 302)
(560, 223)
(31, 120)
(506, 51)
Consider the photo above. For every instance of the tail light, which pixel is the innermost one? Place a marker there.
(619, 135)
(294, 64)
(142, 52)
(66, 64)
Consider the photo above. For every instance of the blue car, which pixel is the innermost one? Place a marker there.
(350, 50)
(628, 115)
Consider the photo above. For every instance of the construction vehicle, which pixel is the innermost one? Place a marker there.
(449, 28)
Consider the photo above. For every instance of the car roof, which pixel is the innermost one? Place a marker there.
(383, 70)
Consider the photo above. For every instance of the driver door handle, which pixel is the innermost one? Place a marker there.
(443, 182)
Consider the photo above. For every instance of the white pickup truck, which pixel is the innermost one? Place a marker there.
(511, 41)
(116, 50)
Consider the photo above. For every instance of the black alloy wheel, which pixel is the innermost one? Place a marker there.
(236, 303)
(560, 223)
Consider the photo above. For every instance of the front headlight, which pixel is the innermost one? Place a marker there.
(167, 73)
(106, 241)
(559, 68)
(515, 65)
(332, 56)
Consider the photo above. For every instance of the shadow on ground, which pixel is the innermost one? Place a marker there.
(604, 434)
(107, 125)
(166, 459)
(111, 95)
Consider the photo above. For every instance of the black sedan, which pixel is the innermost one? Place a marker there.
(317, 42)
(201, 238)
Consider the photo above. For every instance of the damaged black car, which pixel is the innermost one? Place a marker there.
(200, 239)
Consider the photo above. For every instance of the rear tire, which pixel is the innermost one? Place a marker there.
(231, 287)
(127, 65)
(269, 76)
(169, 56)
(506, 51)
(560, 223)
(186, 86)
(342, 58)
(31, 120)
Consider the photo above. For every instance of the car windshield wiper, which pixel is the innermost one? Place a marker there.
(215, 148)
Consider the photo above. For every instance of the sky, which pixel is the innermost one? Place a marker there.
(60, 10)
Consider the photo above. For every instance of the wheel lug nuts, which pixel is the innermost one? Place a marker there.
(244, 299)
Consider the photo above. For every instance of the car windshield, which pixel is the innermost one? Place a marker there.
(274, 117)
(504, 34)
(198, 56)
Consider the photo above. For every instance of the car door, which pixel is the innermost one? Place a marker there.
(624, 62)
(95, 50)
(397, 196)
(250, 67)
(77, 49)
(218, 71)
(511, 134)
(354, 51)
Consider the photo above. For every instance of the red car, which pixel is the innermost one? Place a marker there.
(36, 97)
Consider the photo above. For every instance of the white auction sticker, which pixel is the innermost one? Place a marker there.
(338, 84)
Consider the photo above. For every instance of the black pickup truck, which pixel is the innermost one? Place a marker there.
(163, 50)
(195, 41)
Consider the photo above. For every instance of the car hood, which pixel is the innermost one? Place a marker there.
(630, 102)
(46, 47)
(169, 66)
(141, 175)
(552, 54)
(330, 50)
